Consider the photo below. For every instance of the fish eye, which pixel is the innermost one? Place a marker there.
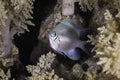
(53, 34)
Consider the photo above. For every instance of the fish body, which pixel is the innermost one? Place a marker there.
(65, 38)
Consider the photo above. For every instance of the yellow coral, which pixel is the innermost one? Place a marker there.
(95, 4)
(3, 15)
(43, 70)
(4, 76)
(22, 10)
(44, 63)
(88, 4)
(14, 18)
(107, 45)
(45, 76)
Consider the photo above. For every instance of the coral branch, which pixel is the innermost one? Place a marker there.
(14, 18)
(107, 45)
(7, 42)
(43, 69)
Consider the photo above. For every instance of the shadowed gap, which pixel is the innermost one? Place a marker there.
(28, 40)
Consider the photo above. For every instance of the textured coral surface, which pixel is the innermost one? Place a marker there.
(28, 56)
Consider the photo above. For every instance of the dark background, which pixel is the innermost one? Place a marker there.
(28, 40)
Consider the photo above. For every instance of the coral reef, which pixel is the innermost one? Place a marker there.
(88, 4)
(45, 76)
(8, 64)
(22, 14)
(14, 18)
(104, 20)
(4, 76)
(107, 44)
(98, 19)
(43, 69)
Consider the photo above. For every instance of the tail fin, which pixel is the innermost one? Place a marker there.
(85, 46)
(84, 33)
